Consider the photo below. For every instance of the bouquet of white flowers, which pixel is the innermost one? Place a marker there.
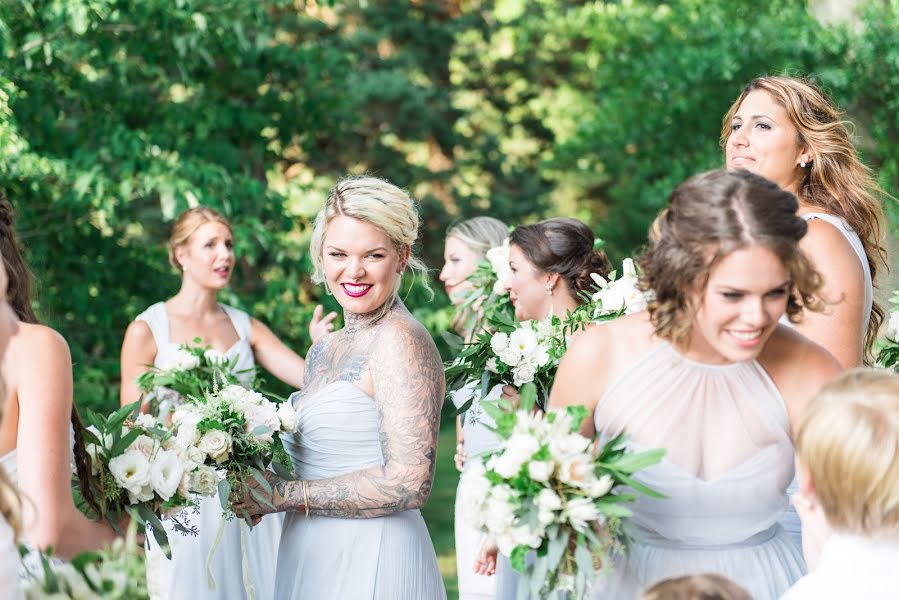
(555, 491)
(192, 370)
(610, 299)
(511, 353)
(234, 433)
(487, 292)
(888, 357)
(140, 469)
(118, 573)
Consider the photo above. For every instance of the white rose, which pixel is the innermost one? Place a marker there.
(216, 444)
(185, 412)
(214, 357)
(131, 470)
(262, 422)
(523, 373)
(576, 470)
(239, 398)
(600, 487)
(563, 446)
(204, 481)
(579, 512)
(524, 340)
(491, 365)
(511, 356)
(499, 342)
(548, 500)
(183, 361)
(541, 470)
(165, 473)
(143, 444)
(288, 417)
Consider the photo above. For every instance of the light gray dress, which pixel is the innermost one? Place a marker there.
(325, 558)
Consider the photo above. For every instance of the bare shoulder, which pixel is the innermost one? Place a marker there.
(403, 335)
(625, 331)
(139, 332)
(830, 251)
(40, 340)
(798, 366)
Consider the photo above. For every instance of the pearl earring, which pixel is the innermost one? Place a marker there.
(549, 291)
(802, 164)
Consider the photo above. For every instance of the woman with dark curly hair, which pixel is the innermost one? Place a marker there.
(710, 374)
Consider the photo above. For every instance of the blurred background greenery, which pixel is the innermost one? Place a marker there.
(116, 115)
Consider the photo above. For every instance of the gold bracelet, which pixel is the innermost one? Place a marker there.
(306, 496)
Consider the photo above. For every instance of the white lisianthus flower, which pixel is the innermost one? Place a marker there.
(491, 365)
(265, 419)
(580, 512)
(288, 417)
(523, 373)
(524, 340)
(540, 357)
(183, 361)
(165, 473)
(548, 500)
(204, 481)
(523, 534)
(499, 342)
(214, 357)
(893, 326)
(577, 470)
(145, 420)
(511, 356)
(519, 448)
(600, 487)
(541, 470)
(143, 494)
(131, 470)
(216, 444)
(498, 257)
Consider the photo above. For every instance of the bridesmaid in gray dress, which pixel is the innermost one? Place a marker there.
(367, 418)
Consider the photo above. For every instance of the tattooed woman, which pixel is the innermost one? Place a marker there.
(368, 416)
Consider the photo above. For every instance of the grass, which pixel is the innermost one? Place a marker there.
(439, 513)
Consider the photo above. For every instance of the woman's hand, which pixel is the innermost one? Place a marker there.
(249, 506)
(485, 563)
(511, 395)
(459, 458)
(320, 326)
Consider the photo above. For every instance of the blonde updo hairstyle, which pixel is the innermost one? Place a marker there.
(377, 202)
(709, 216)
(480, 234)
(848, 439)
(187, 224)
(835, 181)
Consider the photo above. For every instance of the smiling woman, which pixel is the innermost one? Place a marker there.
(710, 374)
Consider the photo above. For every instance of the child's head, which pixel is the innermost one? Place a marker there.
(847, 446)
(697, 587)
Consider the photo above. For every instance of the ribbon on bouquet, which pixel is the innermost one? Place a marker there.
(244, 559)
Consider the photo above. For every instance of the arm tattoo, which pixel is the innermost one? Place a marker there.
(409, 385)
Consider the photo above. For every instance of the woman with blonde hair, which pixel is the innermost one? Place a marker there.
(466, 245)
(847, 455)
(787, 130)
(201, 247)
(710, 374)
(367, 417)
(10, 503)
(40, 440)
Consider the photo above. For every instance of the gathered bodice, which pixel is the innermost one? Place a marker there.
(729, 454)
(337, 432)
(156, 318)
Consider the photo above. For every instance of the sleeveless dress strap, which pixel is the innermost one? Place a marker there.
(158, 321)
(239, 319)
(855, 241)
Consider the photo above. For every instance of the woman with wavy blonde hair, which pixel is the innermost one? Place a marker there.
(788, 130)
(710, 374)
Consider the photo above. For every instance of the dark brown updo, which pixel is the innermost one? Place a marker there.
(564, 246)
(708, 217)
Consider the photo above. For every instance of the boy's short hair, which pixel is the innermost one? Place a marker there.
(708, 586)
(848, 439)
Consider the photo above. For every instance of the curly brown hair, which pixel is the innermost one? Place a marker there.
(836, 181)
(708, 217)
